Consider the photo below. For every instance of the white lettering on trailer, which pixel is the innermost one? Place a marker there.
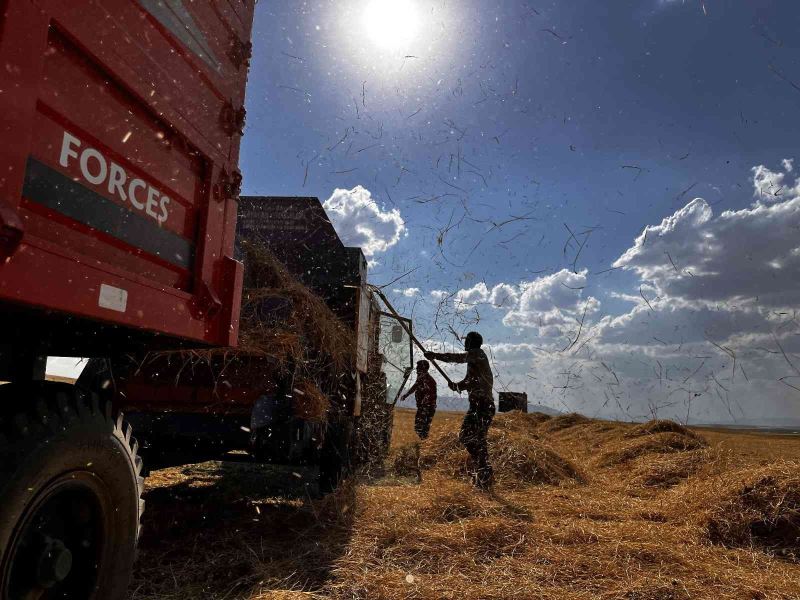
(113, 298)
(87, 175)
(116, 180)
(66, 149)
(136, 183)
(96, 169)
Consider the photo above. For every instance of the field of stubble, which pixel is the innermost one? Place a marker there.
(581, 509)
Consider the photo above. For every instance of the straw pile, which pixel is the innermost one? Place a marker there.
(561, 536)
(656, 443)
(760, 508)
(667, 470)
(564, 422)
(660, 426)
(518, 456)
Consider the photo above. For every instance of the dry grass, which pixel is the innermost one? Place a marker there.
(518, 455)
(756, 508)
(670, 469)
(671, 521)
(660, 426)
(656, 443)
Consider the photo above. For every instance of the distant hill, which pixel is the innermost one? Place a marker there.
(548, 410)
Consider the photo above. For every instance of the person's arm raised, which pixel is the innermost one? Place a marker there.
(448, 357)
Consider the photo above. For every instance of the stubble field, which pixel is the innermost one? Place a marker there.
(581, 509)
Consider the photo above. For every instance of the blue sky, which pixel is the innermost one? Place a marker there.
(496, 126)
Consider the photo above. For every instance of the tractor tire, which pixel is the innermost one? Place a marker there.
(70, 495)
(335, 460)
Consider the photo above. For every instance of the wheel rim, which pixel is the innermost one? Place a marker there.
(58, 547)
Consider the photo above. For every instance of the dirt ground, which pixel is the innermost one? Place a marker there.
(581, 509)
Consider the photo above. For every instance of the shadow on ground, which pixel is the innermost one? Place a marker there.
(237, 530)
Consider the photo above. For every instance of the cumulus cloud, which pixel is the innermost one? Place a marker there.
(772, 186)
(475, 295)
(408, 292)
(502, 295)
(359, 220)
(438, 294)
(551, 303)
(717, 338)
(747, 254)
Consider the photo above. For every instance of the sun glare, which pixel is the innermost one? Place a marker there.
(390, 23)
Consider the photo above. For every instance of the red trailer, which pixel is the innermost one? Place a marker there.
(120, 124)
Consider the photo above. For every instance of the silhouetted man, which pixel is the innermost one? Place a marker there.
(424, 390)
(478, 384)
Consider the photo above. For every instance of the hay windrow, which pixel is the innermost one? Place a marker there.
(658, 443)
(562, 422)
(759, 508)
(515, 454)
(668, 470)
(520, 422)
(659, 426)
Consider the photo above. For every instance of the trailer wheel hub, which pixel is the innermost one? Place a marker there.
(55, 563)
(58, 549)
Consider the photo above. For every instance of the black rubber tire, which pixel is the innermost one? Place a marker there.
(55, 434)
(335, 459)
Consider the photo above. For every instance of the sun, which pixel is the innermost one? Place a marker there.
(390, 23)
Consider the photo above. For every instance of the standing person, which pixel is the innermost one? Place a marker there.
(478, 384)
(424, 390)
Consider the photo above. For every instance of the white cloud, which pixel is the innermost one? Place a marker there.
(717, 286)
(477, 294)
(502, 295)
(438, 294)
(772, 186)
(408, 292)
(359, 220)
(551, 303)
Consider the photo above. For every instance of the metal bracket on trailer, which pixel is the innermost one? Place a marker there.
(395, 314)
